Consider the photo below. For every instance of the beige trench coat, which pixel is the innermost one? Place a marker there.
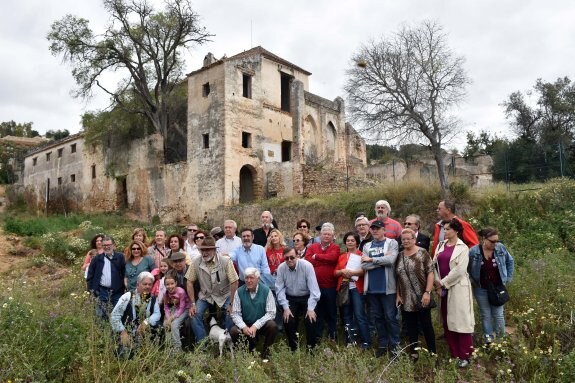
(460, 316)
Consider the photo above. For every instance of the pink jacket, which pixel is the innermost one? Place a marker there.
(178, 298)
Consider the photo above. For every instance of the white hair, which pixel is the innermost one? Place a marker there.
(384, 203)
(360, 219)
(328, 227)
(252, 271)
(145, 274)
(269, 212)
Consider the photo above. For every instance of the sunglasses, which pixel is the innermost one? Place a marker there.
(289, 258)
(192, 230)
(202, 237)
(302, 227)
(297, 240)
(136, 249)
(408, 224)
(493, 242)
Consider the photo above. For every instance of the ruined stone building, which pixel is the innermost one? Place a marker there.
(254, 131)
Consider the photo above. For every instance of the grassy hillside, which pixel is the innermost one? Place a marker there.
(49, 333)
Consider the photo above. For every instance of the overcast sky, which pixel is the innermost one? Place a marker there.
(507, 46)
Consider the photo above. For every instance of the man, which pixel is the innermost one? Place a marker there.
(230, 241)
(298, 294)
(382, 213)
(159, 250)
(217, 233)
(362, 229)
(378, 260)
(261, 233)
(413, 222)
(250, 255)
(189, 244)
(324, 256)
(253, 312)
(136, 313)
(445, 213)
(178, 263)
(106, 277)
(217, 281)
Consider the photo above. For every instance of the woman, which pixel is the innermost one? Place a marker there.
(136, 263)
(95, 249)
(275, 250)
(453, 285)
(139, 234)
(300, 241)
(176, 244)
(198, 239)
(490, 263)
(348, 271)
(414, 276)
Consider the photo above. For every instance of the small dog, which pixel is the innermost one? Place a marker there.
(221, 337)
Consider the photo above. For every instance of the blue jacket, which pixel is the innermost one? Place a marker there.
(505, 264)
(118, 268)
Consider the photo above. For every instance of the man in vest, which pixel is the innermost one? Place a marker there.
(106, 277)
(378, 261)
(136, 313)
(217, 280)
(253, 312)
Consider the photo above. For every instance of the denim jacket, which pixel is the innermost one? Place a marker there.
(505, 264)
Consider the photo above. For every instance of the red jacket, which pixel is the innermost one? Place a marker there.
(324, 263)
(341, 264)
(469, 236)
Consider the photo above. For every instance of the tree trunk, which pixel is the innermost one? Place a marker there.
(442, 175)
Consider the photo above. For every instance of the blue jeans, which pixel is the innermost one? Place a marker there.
(326, 310)
(198, 319)
(355, 319)
(384, 313)
(489, 315)
(107, 299)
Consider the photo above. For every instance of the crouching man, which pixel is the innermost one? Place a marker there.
(136, 314)
(253, 312)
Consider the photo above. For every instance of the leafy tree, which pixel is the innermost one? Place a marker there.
(403, 89)
(380, 153)
(57, 134)
(141, 42)
(482, 144)
(11, 128)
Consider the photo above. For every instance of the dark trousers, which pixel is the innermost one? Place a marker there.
(326, 312)
(269, 330)
(107, 299)
(298, 308)
(414, 320)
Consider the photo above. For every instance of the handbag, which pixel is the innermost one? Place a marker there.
(418, 305)
(497, 295)
(342, 298)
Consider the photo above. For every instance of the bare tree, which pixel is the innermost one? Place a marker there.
(141, 42)
(403, 88)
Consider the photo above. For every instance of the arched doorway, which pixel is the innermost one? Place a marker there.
(247, 189)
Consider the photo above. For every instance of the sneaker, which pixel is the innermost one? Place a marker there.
(463, 363)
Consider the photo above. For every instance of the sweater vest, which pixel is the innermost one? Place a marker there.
(253, 309)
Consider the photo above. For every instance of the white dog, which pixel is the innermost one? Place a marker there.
(221, 337)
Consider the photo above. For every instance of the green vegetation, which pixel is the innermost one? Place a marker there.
(49, 332)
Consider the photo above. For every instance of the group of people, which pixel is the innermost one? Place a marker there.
(262, 282)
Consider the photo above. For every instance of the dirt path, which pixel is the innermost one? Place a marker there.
(7, 261)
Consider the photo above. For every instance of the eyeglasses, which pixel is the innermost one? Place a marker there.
(289, 258)
(408, 223)
(106, 244)
(136, 249)
(361, 224)
(493, 242)
(178, 260)
(302, 227)
(202, 237)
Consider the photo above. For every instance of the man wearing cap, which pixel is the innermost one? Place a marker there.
(261, 233)
(382, 213)
(378, 260)
(217, 232)
(324, 256)
(230, 241)
(178, 263)
(253, 312)
(298, 294)
(217, 281)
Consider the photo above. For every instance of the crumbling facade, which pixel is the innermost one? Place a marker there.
(254, 132)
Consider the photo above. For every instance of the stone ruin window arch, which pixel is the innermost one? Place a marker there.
(249, 186)
(310, 141)
(330, 140)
